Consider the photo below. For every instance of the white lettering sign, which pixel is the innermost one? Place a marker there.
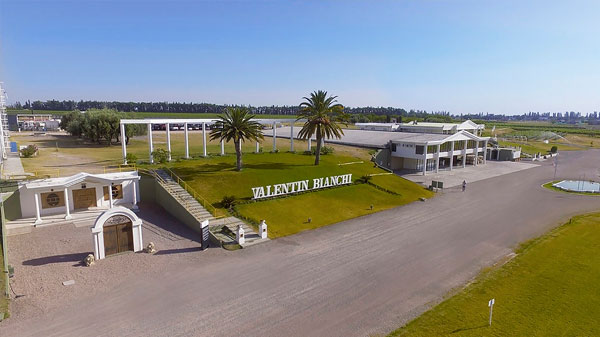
(300, 186)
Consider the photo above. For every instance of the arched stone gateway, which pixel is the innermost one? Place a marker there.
(115, 231)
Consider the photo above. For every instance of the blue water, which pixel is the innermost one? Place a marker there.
(578, 186)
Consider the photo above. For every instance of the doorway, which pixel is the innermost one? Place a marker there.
(84, 198)
(118, 238)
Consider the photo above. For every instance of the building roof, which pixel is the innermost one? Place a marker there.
(62, 182)
(468, 124)
(379, 139)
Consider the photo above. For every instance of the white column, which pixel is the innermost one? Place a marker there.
(437, 159)
(151, 149)
(464, 162)
(110, 197)
(292, 137)
(485, 151)
(274, 137)
(425, 159)
(67, 210)
(222, 147)
(309, 144)
(257, 147)
(123, 144)
(204, 139)
(451, 154)
(168, 127)
(135, 201)
(38, 218)
(187, 142)
(475, 151)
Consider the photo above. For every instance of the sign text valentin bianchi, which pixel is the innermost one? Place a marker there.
(300, 186)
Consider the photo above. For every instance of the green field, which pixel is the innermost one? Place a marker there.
(215, 177)
(539, 147)
(551, 288)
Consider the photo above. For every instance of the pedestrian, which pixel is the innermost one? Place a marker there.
(464, 185)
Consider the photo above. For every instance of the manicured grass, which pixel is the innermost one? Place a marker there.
(290, 215)
(541, 147)
(216, 177)
(550, 288)
(550, 187)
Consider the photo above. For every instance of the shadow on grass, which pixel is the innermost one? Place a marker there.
(75, 257)
(471, 328)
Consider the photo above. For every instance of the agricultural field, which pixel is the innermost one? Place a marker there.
(545, 289)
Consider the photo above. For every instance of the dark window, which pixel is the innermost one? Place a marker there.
(393, 147)
(419, 149)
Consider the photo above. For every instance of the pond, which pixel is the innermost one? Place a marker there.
(578, 186)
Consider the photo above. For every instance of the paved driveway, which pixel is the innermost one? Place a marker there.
(360, 277)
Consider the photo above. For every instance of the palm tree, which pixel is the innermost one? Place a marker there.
(237, 125)
(323, 117)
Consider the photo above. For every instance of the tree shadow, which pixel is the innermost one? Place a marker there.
(75, 257)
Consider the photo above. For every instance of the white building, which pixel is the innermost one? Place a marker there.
(443, 128)
(378, 126)
(39, 198)
(427, 152)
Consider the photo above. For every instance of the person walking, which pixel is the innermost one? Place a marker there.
(464, 185)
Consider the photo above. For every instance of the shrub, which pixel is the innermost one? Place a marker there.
(364, 179)
(228, 201)
(324, 150)
(160, 156)
(131, 158)
(554, 149)
(29, 151)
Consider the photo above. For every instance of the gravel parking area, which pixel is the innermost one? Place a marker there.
(49, 255)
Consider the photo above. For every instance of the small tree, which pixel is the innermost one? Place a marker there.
(553, 149)
(29, 151)
(131, 158)
(237, 125)
(160, 156)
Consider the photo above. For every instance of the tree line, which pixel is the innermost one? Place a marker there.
(179, 107)
(100, 126)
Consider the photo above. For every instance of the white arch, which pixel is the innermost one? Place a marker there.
(98, 230)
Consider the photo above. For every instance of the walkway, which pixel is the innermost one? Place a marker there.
(13, 166)
(357, 278)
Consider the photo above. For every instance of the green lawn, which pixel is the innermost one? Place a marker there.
(215, 177)
(541, 147)
(290, 215)
(550, 289)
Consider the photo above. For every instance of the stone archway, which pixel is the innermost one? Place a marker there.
(123, 230)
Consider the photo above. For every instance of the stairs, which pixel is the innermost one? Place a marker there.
(200, 213)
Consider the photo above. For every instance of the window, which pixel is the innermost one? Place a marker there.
(393, 147)
(419, 149)
(52, 199)
(117, 192)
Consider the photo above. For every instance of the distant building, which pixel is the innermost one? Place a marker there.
(33, 122)
(425, 127)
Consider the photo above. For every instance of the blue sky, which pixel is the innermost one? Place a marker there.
(463, 56)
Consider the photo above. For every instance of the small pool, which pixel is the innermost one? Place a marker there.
(578, 186)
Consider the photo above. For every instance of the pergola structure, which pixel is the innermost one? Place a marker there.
(202, 121)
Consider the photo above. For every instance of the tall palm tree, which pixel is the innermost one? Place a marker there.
(236, 124)
(323, 117)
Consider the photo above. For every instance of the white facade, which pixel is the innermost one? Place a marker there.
(378, 126)
(45, 197)
(432, 152)
(442, 128)
(98, 230)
